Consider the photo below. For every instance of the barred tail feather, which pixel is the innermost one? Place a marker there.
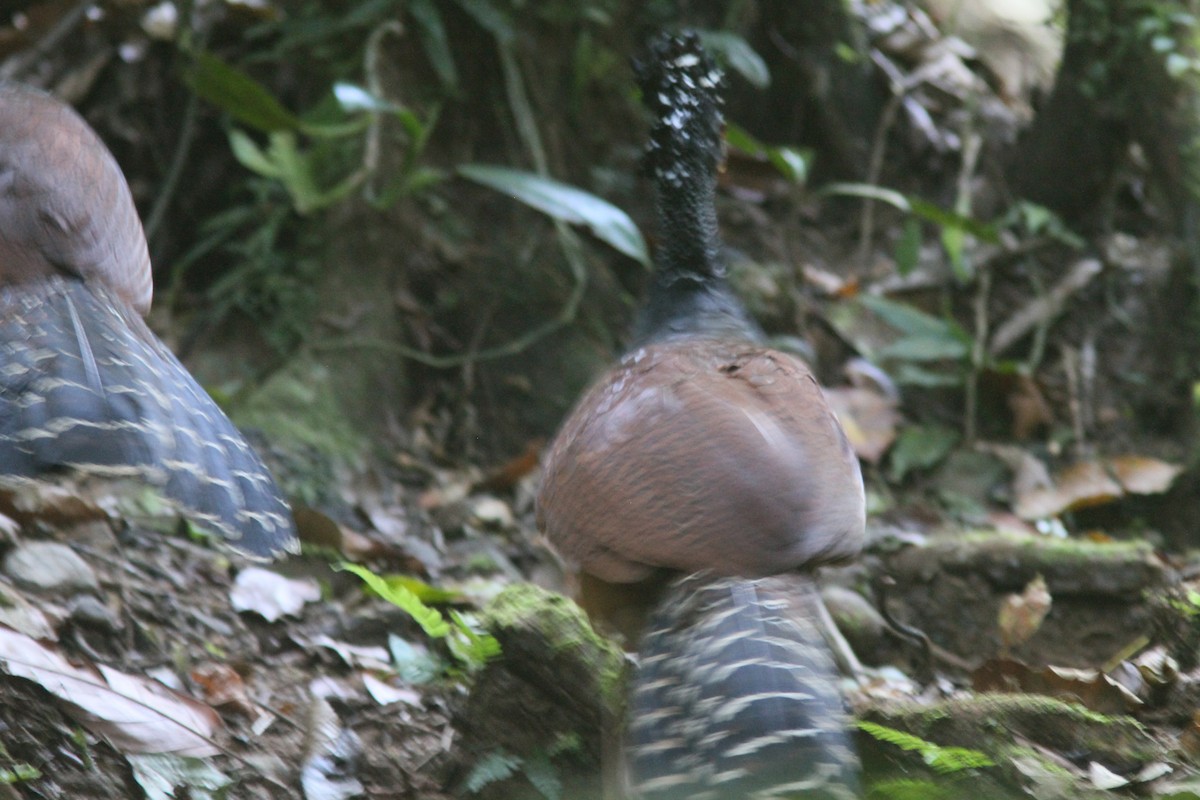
(736, 696)
(86, 386)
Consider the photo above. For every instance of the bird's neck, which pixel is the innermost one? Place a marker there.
(690, 247)
(689, 293)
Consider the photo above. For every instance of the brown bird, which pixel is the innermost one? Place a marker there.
(695, 487)
(84, 384)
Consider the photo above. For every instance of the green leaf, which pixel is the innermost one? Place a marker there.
(789, 162)
(938, 347)
(430, 620)
(920, 447)
(908, 250)
(352, 97)
(433, 36)
(236, 93)
(952, 220)
(427, 593)
(906, 319)
(251, 156)
(567, 203)
(954, 242)
(468, 646)
(867, 191)
(739, 56)
(490, 18)
(911, 374)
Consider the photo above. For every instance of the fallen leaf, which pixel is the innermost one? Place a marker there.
(135, 714)
(1092, 483)
(271, 595)
(507, 475)
(1141, 475)
(161, 775)
(868, 418)
(1029, 407)
(1088, 687)
(1021, 615)
(223, 686)
(1080, 486)
(385, 694)
(361, 656)
(1104, 778)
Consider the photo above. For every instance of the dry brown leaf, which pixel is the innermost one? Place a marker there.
(507, 475)
(1142, 475)
(223, 686)
(1092, 483)
(1021, 615)
(1189, 739)
(1029, 407)
(1088, 687)
(869, 419)
(1079, 486)
(135, 714)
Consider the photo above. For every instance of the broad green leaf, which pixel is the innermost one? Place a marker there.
(739, 55)
(926, 348)
(490, 18)
(920, 447)
(952, 220)
(352, 97)
(236, 93)
(563, 202)
(789, 162)
(906, 319)
(437, 44)
(954, 242)
(868, 191)
(912, 374)
(251, 156)
(908, 250)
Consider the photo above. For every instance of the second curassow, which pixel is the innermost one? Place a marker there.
(695, 487)
(84, 384)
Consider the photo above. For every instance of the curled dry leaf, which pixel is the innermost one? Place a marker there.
(869, 419)
(135, 714)
(1088, 687)
(1092, 483)
(223, 686)
(1022, 614)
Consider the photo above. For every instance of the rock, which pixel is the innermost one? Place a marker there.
(49, 568)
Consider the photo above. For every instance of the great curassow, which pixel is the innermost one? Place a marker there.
(695, 487)
(84, 384)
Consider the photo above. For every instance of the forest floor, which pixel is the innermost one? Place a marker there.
(1027, 611)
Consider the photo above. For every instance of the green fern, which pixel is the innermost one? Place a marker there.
(943, 760)
(430, 619)
(471, 648)
(493, 767)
